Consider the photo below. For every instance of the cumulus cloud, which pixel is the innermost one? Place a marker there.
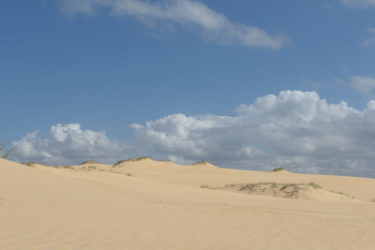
(186, 13)
(295, 130)
(68, 144)
(370, 42)
(359, 3)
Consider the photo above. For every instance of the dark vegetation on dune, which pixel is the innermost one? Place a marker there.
(285, 190)
(201, 163)
(88, 162)
(278, 169)
(5, 151)
(131, 159)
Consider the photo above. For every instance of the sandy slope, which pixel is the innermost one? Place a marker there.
(160, 205)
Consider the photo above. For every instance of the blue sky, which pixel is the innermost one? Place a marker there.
(108, 64)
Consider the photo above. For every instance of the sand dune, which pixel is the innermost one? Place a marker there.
(147, 204)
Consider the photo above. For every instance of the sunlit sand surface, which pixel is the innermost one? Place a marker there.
(147, 204)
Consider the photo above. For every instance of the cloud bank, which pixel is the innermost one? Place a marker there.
(68, 144)
(295, 130)
(190, 14)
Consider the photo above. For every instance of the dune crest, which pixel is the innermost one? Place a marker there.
(149, 162)
(144, 162)
(204, 164)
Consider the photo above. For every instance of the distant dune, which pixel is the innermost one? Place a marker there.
(147, 204)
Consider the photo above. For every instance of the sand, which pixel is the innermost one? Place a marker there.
(147, 204)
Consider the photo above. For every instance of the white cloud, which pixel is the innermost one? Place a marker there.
(186, 13)
(370, 42)
(68, 144)
(359, 3)
(295, 130)
(363, 84)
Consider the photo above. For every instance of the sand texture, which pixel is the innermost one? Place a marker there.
(147, 204)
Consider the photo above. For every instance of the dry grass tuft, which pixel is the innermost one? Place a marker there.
(118, 163)
(131, 159)
(88, 168)
(30, 163)
(286, 190)
(65, 167)
(341, 193)
(88, 162)
(201, 163)
(314, 185)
